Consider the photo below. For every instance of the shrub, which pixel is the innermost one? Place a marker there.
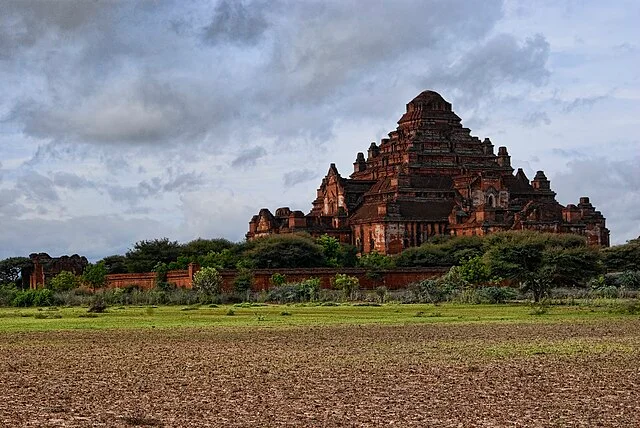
(427, 291)
(475, 271)
(297, 292)
(26, 298)
(278, 279)
(207, 281)
(381, 292)
(98, 305)
(496, 294)
(243, 282)
(7, 294)
(348, 284)
(95, 275)
(64, 281)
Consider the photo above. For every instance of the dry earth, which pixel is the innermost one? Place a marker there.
(473, 375)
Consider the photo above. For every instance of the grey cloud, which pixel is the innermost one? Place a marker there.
(501, 59)
(24, 22)
(292, 178)
(9, 205)
(583, 102)
(235, 22)
(249, 157)
(319, 60)
(155, 186)
(536, 118)
(568, 153)
(186, 181)
(613, 187)
(71, 181)
(37, 187)
(134, 111)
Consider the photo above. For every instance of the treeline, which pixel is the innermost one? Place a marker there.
(521, 257)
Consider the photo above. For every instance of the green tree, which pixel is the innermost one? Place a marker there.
(347, 255)
(207, 281)
(475, 271)
(277, 279)
(243, 282)
(115, 264)
(95, 275)
(285, 251)
(540, 260)
(620, 258)
(64, 281)
(427, 255)
(376, 261)
(11, 270)
(146, 254)
(330, 248)
(201, 247)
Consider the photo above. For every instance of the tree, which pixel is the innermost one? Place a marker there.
(64, 281)
(285, 251)
(146, 254)
(475, 271)
(95, 275)
(243, 282)
(201, 247)
(425, 256)
(330, 248)
(521, 261)
(376, 261)
(347, 255)
(11, 270)
(539, 261)
(207, 281)
(115, 264)
(622, 258)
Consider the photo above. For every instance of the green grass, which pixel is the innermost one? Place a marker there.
(31, 319)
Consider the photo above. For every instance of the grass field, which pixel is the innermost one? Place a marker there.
(262, 315)
(321, 366)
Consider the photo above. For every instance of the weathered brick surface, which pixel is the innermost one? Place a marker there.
(392, 279)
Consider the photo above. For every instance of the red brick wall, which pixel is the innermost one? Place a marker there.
(392, 279)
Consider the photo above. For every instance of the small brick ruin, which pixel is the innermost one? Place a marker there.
(431, 177)
(44, 267)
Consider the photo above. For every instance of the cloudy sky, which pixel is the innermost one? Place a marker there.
(122, 121)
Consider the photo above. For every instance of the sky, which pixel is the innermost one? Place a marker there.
(122, 121)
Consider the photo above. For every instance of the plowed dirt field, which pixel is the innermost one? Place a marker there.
(430, 375)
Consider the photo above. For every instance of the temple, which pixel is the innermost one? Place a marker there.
(44, 267)
(431, 177)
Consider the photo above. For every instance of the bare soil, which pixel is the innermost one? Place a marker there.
(473, 375)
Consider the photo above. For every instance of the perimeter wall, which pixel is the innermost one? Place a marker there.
(392, 279)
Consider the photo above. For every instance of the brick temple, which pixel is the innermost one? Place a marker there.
(431, 177)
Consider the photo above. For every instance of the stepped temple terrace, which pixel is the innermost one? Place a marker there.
(431, 177)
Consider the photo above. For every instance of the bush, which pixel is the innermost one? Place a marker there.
(243, 282)
(298, 292)
(496, 294)
(98, 305)
(7, 294)
(381, 292)
(427, 291)
(64, 281)
(207, 281)
(277, 279)
(348, 284)
(26, 298)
